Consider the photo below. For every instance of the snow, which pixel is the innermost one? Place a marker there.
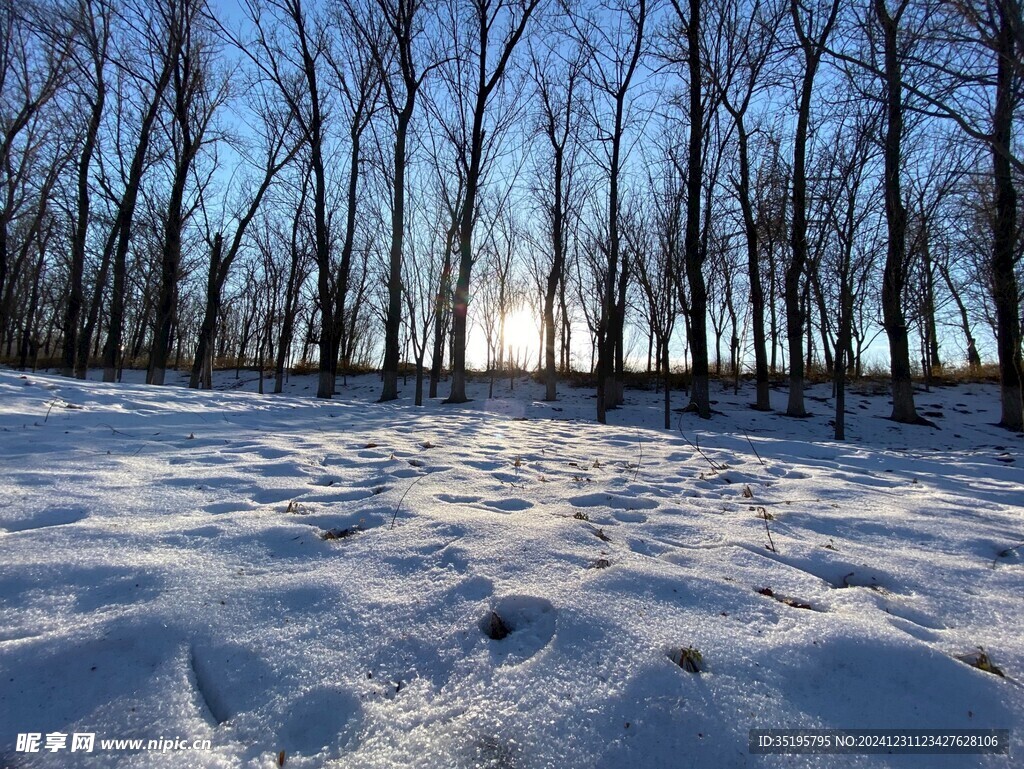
(164, 574)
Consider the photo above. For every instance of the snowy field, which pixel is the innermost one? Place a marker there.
(277, 573)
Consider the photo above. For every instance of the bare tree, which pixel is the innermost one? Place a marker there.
(656, 241)
(358, 81)
(280, 145)
(92, 20)
(449, 190)
(500, 288)
(1008, 47)
(972, 76)
(694, 297)
(298, 270)
(395, 35)
(34, 65)
(291, 50)
(848, 215)
(813, 22)
(749, 35)
(422, 264)
(895, 274)
(614, 52)
(196, 93)
(497, 27)
(558, 84)
(152, 67)
(937, 162)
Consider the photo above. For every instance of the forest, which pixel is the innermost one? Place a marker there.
(719, 187)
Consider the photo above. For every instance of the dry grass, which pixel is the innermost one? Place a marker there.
(953, 375)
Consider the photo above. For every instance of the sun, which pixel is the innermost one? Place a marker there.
(522, 335)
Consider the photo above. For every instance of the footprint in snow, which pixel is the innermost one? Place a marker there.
(457, 499)
(222, 508)
(319, 719)
(483, 464)
(612, 501)
(229, 678)
(341, 495)
(275, 496)
(628, 516)
(372, 454)
(508, 505)
(520, 626)
(51, 516)
(404, 472)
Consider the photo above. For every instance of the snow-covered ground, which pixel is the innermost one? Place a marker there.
(164, 573)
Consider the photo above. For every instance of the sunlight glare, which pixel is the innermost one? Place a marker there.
(522, 334)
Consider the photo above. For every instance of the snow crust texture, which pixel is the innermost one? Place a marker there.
(277, 573)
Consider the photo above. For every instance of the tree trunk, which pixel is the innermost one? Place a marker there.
(325, 383)
(28, 346)
(931, 328)
(554, 278)
(566, 331)
(700, 397)
(894, 275)
(169, 267)
(392, 327)
(620, 335)
(973, 358)
(812, 51)
(666, 374)
(208, 329)
(1005, 294)
(290, 302)
(844, 335)
(86, 337)
(345, 267)
(823, 325)
(79, 233)
(125, 216)
(441, 313)
(798, 245)
(460, 304)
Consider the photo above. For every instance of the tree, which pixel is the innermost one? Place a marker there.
(749, 33)
(500, 290)
(656, 242)
(194, 97)
(34, 65)
(972, 76)
(895, 274)
(298, 270)
(614, 55)
(696, 299)
(1008, 44)
(847, 217)
(449, 190)
(291, 50)
(422, 265)
(152, 70)
(506, 20)
(91, 19)
(276, 128)
(358, 83)
(812, 42)
(937, 162)
(978, 85)
(557, 84)
(396, 49)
